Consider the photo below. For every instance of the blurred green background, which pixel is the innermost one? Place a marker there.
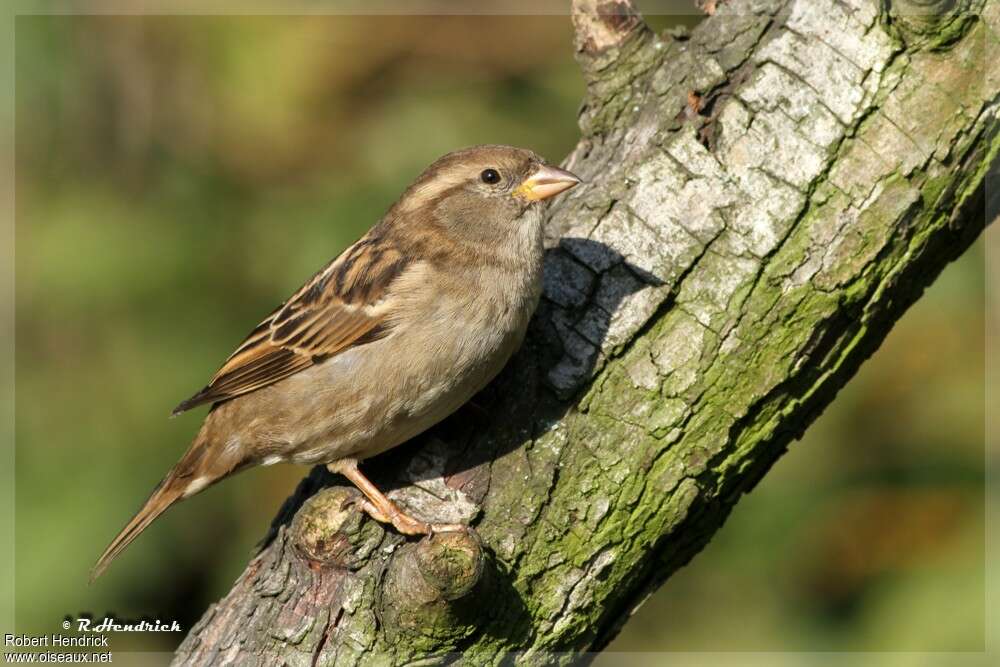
(178, 177)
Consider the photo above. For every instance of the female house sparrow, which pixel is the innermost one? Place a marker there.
(388, 339)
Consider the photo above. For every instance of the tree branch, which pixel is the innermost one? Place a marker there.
(764, 200)
(603, 25)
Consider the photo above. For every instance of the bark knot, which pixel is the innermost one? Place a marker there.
(330, 531)
(930, 24)
(430, 588)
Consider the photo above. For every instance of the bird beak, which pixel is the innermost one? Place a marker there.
(546, 182)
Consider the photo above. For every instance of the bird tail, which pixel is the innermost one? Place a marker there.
(181, 482)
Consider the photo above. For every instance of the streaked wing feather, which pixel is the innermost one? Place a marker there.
(329, 314)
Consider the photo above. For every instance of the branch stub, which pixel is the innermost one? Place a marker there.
(329, 530)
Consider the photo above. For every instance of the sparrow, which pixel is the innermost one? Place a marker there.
(389, 338)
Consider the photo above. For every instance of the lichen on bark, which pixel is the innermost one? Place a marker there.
(764, 198)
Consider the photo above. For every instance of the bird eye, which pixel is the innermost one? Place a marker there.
(490, 176)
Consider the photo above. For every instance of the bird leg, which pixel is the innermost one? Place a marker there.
(383, 510)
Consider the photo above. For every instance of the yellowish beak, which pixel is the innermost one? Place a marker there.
(546, 182)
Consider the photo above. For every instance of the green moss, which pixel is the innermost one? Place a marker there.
(615, 82)
(935, 25)
(932, 189)
(951, 30)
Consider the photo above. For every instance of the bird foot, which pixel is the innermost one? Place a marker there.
(406, 524)
(376, 505)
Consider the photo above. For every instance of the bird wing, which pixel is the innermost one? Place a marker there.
(342, 306)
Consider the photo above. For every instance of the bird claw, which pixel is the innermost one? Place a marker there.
(382, 509)
(436, 528)
(374, 512)
(366, 507)
(406, 524)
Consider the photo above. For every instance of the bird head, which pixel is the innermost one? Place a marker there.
(485, 191)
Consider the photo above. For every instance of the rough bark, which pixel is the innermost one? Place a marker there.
(765, 197)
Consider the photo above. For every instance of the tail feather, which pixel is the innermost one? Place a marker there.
(200, 467)
(164, 495)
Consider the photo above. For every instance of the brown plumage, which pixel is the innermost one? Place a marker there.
(388, 339)
(325, 316)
